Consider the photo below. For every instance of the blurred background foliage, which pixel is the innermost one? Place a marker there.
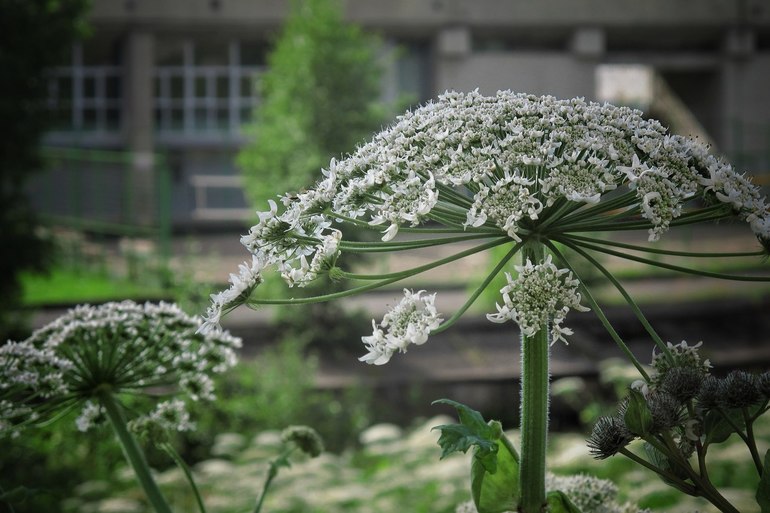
(34, 35)
(320, 97)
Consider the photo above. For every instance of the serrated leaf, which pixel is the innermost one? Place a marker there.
(763, 489)
(717, 429)
(558, 502)
(638, 417)
(468, 416)
(472, 431)
(459, 438)
(498, 490)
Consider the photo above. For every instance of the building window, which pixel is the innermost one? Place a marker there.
(85, 98)
(203, 88)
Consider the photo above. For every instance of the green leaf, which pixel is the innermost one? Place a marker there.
(18, 494)
(638, 417)
(717, 428)
(472, 431)
(496, 491)
(558, 502)
(763, 489)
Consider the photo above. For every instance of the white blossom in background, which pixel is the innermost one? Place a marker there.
(409, 322)
(539, 294)
(119, 348)
(509, 165)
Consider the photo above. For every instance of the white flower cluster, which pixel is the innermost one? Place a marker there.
(591, 494)
(409, 322)
(682, 355)
(121, 348)
(241, 285)
(541, 293)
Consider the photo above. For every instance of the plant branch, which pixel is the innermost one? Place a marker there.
(133, 453)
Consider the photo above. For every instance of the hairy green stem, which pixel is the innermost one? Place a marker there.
(534, 406)
(133, 452)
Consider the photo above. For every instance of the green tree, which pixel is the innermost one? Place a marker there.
(34, 35)
(320, 96)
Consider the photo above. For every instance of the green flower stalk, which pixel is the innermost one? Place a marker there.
(93, 358)
(528, 173)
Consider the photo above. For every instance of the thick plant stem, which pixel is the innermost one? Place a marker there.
(534, 408)
(133, 453)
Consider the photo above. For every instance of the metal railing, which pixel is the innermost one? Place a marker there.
(96, 191)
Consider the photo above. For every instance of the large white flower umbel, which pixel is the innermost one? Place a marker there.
(511, 167)
(534, 174)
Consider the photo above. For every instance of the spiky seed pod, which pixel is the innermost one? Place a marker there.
(763, 383)
(608, 437)
(739, 390)
(666, 411)
(708, 395)
(683, 383)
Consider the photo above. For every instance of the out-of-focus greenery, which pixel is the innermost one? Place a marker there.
(67, 287)
(395, 470)
(34, 35)
(86, 269)
(320, 97)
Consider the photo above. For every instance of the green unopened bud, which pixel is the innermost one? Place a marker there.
(148, 430)
(336, 273)
(305, 438)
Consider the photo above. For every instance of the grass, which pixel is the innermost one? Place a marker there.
(68, 287)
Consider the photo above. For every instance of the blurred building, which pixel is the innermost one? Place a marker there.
(177, 78)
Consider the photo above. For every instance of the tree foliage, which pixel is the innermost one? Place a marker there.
(34, 36)
(319, 99)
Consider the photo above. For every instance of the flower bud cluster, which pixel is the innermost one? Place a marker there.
(305, 438)
(675, 402)
(116, 349)
(541, 293)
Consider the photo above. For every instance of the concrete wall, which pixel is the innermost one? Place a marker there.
(553, 73)
(436, 13)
